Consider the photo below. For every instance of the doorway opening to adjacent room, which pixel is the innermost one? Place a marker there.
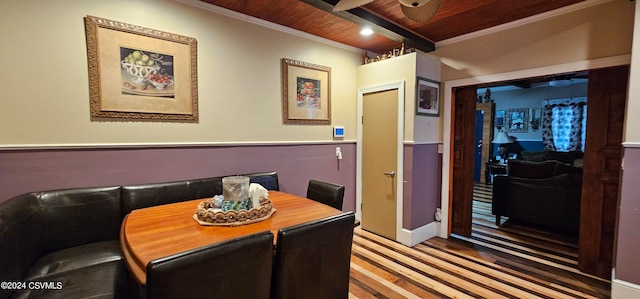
(607, 97)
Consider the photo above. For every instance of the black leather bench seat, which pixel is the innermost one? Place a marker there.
(69, 237)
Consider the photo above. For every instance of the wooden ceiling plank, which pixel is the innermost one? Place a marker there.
(454, 18)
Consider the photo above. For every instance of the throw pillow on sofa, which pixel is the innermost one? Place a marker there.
(531, 170)
(554, 181)
(564, 157)
(532, 156)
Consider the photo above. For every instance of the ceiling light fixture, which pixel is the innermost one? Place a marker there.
(560, 83)
(420, 11)
(366, 31)
(350, 4)
(362, 17)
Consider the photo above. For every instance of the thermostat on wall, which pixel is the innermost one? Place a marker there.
(338, 132)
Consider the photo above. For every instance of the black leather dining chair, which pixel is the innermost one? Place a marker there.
(312, 259)
(237, 268)
(327, 193)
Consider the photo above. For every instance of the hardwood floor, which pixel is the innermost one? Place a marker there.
(512, 261)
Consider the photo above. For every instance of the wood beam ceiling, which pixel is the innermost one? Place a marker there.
(363, 17)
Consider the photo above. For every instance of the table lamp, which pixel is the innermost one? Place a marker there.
(502, 137)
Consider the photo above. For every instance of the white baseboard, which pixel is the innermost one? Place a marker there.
(621, 289)
(413, 237)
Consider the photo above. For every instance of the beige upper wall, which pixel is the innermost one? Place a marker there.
(428, 128)
(45, 83)
(597, 31)
(407, 68)
(632, 134)
(401, 68)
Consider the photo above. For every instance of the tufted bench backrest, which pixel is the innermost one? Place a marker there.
(37, 223)
(21, 235)
(268, 180)
(148, 195)
(79, 216)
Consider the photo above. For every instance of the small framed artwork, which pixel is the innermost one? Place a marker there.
(499, 120)
(137, 73)
(517, 120)
(306, 93)
(427, 97)
(535, 115)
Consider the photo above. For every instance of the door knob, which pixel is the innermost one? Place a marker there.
(390, 173)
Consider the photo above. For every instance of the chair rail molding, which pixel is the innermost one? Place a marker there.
(9, 147)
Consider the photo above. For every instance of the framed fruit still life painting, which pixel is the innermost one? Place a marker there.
(138, 73)
(306, 97)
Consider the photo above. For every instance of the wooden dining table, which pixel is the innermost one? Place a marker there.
(160, 231)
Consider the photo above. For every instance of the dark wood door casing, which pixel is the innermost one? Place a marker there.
(607, 94)
(462, 156)
(487, 135)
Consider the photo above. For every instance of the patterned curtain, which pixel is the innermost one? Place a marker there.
(564, 126)
(547, 135)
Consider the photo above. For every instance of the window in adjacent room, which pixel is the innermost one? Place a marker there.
(564, 123)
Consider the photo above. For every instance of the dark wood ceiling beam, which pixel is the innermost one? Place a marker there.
(521, 84)
(379, 25)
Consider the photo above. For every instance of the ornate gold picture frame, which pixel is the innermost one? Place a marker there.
(137, 73)
(306, 93)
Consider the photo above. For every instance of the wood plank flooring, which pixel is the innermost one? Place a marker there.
(510, 261)
(482, 192)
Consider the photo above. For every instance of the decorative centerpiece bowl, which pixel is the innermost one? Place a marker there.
(241, 203)
(208, 213)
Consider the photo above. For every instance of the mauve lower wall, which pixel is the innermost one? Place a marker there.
(422, 176)
(24, 171)
(627, 262)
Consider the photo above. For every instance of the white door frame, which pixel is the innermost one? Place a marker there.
(399, 177)
(443, 232)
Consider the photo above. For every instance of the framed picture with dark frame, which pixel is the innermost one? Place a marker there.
(499, 120)
(306, 93)
(427, 97)
(517, 120)
(138, 73)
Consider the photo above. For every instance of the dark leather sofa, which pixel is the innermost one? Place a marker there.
(542, 193)
(571, 157)
(67, 240)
